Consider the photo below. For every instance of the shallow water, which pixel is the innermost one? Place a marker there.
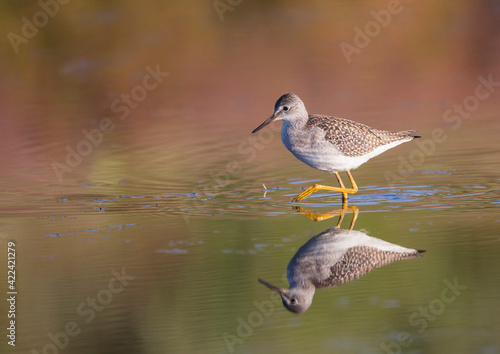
(153, 239)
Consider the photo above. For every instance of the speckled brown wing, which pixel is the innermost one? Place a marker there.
(358, 261)
(355, 139)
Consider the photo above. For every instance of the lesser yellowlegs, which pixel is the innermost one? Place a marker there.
(328, 143)
(332, 258)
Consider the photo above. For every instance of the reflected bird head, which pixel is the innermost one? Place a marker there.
(294, 300)
(288, 107)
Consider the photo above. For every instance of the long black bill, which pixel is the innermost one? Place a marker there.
(272, 287)
(268, 121)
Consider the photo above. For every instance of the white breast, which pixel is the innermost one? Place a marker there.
(311, 148)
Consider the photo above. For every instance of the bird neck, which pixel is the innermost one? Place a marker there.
(298, 122)
(304, 285)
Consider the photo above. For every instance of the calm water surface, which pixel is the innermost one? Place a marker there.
(189, 258)
(151, 239)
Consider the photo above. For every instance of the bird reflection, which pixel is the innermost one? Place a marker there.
(332, 258)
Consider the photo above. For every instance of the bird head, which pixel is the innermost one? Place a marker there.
(287, 108)
(295, 300)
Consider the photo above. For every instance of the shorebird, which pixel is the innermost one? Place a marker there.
(332, 258)
(329, 143)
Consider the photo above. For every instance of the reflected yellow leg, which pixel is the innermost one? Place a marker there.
(342, 189)
(313, 215)
(341, 218)
(355, 213)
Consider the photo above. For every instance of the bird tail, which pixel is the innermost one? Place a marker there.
(409, 134)
(417, 254)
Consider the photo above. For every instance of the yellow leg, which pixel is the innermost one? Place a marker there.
(354, 188)
(344, 194)
(342, 189)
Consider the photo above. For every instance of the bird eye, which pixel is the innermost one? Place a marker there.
(286, 108)
(293, 301)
